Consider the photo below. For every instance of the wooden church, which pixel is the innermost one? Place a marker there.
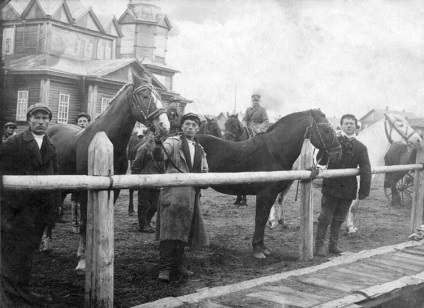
(63, 54)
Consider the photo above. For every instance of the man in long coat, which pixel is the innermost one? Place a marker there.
(180, 222)
(256, 118)
(24, 215)
(338, 193)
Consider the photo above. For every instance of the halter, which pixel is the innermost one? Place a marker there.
(318, 135)
(405, 136)
(148, 116)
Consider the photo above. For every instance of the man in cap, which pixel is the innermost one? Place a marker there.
(83, 119)
(174, 116)
(180, 222)
(256, 118)
(9, 130)
(24, 215)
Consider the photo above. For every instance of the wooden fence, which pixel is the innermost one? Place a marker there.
(100, 181)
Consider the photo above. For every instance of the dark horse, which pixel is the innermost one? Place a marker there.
(398, 154)
(275, 150)
(234, 131)
(210, 127)
(134, 102)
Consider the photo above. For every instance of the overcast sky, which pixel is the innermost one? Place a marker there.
(340, 56)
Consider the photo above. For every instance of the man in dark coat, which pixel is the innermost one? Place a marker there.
(338, 193)
(9, 130)
(174, 116)
(24, 215)
(148, 198)
(179, 220)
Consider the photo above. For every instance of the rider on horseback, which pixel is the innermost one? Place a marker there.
(256, 119)
(174, 116)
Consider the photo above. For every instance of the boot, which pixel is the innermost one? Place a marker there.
(319, 239)
(142, 221)
(166, 253)
(179, 262)
(334, 238)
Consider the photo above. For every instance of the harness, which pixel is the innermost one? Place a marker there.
(392, 127)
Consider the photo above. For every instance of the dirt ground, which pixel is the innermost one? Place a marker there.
(228, 259)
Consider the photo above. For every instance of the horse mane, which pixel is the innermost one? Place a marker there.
(295, 115)
(112, 100)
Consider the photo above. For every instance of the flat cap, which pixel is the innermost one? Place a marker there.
(39, 107)
(256, 96)
(191, 116)
(83, 114)
(10, 124)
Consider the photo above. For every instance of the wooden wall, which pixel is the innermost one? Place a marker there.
(73, 89)
(29, 39)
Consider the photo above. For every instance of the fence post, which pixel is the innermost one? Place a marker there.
(100, 235)
(418, 196)
(306, 251)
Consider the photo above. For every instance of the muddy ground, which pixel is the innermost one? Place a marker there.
(227, 260)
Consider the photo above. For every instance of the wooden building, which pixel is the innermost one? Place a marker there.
(63, 54)
(375, 115)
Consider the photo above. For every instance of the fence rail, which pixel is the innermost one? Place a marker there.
(85, 182)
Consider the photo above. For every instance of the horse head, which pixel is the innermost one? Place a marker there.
(398, 130)
(233, 128)
(147, 106)
(323, 136)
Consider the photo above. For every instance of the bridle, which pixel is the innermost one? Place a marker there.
(234, 136)
(313, 129)
(147, 115)
(392, 127)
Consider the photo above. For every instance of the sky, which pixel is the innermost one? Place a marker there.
(340, 56)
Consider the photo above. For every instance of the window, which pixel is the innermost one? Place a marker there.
(168, 82)
(100, 50)
(108, 51)
(22, 106)
(105, 104)
(77, 46)
(63, 110)
(8, 41)
(88, 49)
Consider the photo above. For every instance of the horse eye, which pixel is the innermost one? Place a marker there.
(400, 124)
(326, 130)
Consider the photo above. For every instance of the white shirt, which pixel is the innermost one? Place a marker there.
(350, 137)
(39, 139)
(191, 147)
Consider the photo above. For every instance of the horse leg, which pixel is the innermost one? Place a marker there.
(82, 198)
(264, 202)
(276, 216)
(46, 240)
(243, 201)
(131, 204)
(238, 200)
(396, 200)
(351, 216)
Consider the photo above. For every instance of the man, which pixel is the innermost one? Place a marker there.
(83, 119)
(174, 116)
(9, 130)
(338, 193)
(24, 215)
(256, 118)
(179, 221)
(148, 198)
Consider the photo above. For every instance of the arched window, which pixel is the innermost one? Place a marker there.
(100, 50)
(108, 51)
(88, 49)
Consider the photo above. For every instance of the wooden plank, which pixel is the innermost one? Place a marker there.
(417, 247)
(286, 290)
(379, 290)
(416, 252)
(359, 281)
(402, 260)
(329, 284)
(392, 265)
(418, 258)
(375, 277)
(381, 272)
(343, 302)
(306, 251)
(418, 195)
(214, 305)
(284, 299)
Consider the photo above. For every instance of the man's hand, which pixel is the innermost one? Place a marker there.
(361, 197)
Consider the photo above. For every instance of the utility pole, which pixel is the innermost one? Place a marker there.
(235, 98)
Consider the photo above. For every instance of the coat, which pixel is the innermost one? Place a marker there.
(144, 163)
(180, 216)
(354, 155)
(257, 119)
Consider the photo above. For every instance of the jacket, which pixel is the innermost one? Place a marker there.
(354, 155)
(180, 216)
(144, 163)
(257, 119)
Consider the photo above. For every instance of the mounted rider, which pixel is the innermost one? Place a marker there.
(174, 116)
(256, 118)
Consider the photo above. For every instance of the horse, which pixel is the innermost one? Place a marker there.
(134, 102)
(234, 131)
(210, 127)
(398, 154)
(378, 139)
(274, 150)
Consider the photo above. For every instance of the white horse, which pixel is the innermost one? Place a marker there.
(377, 138)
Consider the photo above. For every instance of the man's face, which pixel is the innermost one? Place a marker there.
(39, 121)
(10, 130)
(255, 102)
(190, 129)
(82, 122)
(349, 126)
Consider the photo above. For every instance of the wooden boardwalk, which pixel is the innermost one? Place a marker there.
(364, 279)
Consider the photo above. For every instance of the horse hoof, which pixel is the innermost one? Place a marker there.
(130, 214)
(259, 255)
(80, 269)
(266, 251)
(236, 203)
(272, 224)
